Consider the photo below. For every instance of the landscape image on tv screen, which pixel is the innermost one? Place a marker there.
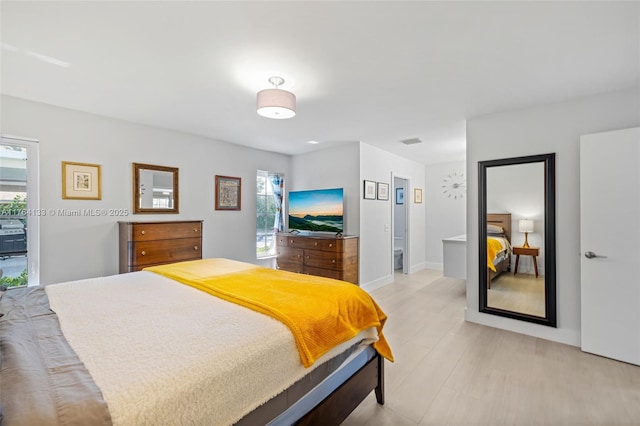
(319, 210)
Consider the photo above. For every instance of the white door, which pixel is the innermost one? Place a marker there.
(610, 244)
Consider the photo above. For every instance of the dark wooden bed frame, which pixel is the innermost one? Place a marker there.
(336, 407)
(503, 220)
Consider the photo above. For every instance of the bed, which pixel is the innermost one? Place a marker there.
(498, 245)
(152, 347)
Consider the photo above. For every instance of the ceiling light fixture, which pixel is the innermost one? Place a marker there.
(276, 103)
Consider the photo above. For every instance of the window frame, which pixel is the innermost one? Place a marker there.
(32, 147)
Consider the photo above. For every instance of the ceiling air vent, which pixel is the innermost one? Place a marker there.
(412, 141)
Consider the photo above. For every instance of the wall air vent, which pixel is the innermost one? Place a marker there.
(412, 141)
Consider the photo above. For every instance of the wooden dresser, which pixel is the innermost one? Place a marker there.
(325, 256)
(145, 244)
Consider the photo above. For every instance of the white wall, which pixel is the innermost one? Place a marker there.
(83, 247)
(446, 217)
(376, 238)
(544, 129)
(336, 167)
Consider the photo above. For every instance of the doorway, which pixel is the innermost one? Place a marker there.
(400, 246)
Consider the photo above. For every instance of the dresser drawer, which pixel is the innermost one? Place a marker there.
(289, 266)
(305, 242)
(164, 251)
(320, 272)
(162, 231)
(323, 259)
(289, 254)
(324, 244)
(332, 245)
(282, 240)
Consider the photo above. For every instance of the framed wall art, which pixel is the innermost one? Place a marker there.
(228, 193)
(369, 190)
(81, 181)
(383, 191)
(417, 196)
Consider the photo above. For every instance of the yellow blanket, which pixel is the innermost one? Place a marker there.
(320, 312)
(493, 247)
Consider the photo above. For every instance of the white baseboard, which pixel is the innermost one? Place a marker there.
(380, 282)
(566, 336)
(416, 268)
(435, 265)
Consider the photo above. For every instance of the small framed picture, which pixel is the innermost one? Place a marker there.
(369, 190)
(399, 195)
(228, 193)
(383, 191)
(417, 196)
(81, 181)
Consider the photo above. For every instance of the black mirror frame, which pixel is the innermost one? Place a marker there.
(137, 209)
(550, 318)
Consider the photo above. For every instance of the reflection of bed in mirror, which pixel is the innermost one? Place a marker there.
(498, 245)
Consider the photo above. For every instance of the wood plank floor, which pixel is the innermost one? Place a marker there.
(451, 372)
(520, 293)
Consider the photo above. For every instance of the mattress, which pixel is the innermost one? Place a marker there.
(219, 361)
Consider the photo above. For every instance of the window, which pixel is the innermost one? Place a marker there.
(19, 212)
(269, 192)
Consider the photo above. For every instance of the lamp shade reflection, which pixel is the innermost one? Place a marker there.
(526, 226)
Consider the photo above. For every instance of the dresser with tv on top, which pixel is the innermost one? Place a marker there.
(322, 255)
(145, 244)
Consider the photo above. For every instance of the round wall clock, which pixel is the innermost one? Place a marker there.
(454, 185)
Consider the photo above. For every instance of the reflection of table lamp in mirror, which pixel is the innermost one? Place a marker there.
(526, 226)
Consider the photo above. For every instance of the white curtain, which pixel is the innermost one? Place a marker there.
(277, 186)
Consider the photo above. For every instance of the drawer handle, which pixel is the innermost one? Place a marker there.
(333, 261)
(330, 244)
(142, 232)
(195, 247)
(299, 256)
(195, 229)
(291, 241)
(144, 253)
(315, 244)
(307, 256)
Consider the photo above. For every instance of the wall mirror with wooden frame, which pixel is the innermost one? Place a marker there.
(517, 238)
(155, 189)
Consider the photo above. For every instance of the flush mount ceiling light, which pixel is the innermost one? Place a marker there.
(276, 103)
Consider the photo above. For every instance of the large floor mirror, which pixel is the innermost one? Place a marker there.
(518, 238)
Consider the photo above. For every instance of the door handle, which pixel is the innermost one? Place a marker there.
(591, 255)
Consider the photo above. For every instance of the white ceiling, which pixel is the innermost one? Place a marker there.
(376, 72)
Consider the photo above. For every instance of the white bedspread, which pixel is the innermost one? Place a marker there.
(165, 353)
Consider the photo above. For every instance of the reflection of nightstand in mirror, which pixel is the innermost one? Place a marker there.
(527, 251)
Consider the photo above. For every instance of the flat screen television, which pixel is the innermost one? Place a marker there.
(317, 210)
